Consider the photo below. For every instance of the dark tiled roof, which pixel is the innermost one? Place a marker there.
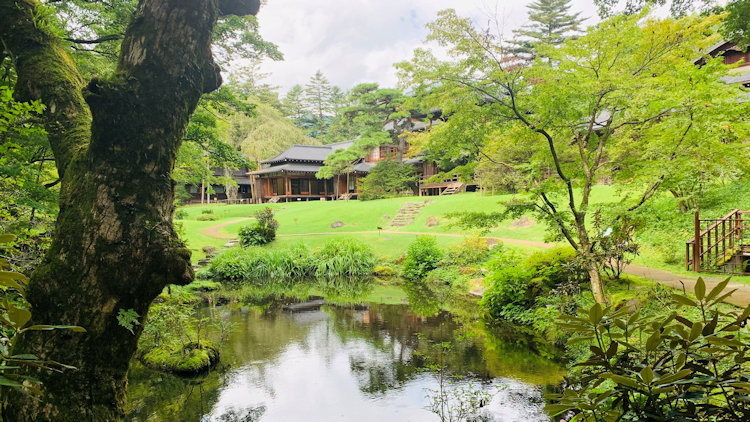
(302, 153)
(289, 168)
(308, 153)
(363, 167)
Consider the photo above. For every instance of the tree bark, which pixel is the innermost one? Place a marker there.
(597, 286)
(114, 245)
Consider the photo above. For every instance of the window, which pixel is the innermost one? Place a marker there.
(305, 186)
(295, 186)
(352, 183)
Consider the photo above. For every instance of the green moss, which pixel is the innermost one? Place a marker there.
(191, 359)
(384, 271)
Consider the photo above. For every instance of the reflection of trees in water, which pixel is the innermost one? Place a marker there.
(249, 414)
(164, 397)
(398, 334)
(384, 350)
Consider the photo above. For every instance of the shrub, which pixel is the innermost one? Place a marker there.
(181, 195)
(262, 231)
(450, 276)
(472, 250)
(207, 211)
(687, 364)
(520, 286)
(422, 257)
(509, 293)
(556, 266)
(207, 217)
(180, 214)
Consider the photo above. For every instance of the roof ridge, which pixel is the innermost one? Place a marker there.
(312, 146)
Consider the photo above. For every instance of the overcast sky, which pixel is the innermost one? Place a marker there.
(353, 41)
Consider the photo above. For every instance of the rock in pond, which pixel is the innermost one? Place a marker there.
(192, 359)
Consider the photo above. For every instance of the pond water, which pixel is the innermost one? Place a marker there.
(370, 362)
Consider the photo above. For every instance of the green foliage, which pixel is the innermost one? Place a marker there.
(14, 320)
(179, 338)
(180, 214)
(342, 161)
(384, 271)
(737, 24)
(128, 319)
(262, 232)
(522, 288)
(472, 250)
(686, 363)
(346, 257)
(367, 107)
(600, 105)
(422, 256)
(28, 180)
(192, 359)
(207, 217)
(388, 177)
(555, 266)
(337, 258)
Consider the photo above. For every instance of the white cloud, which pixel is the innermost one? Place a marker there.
(353, 41)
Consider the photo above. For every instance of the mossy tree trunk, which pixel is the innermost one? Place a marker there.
(115, 142)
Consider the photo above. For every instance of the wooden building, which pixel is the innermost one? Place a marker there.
(427, 171)
(242, 193)
(732, 54)
(290, 176)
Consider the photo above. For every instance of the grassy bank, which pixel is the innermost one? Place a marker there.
(662, 235)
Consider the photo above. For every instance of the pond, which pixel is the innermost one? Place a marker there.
(366, 362)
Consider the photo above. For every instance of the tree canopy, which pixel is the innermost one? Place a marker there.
(625, 99)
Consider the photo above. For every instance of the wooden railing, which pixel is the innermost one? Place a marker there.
(426, 180)
(720, 245)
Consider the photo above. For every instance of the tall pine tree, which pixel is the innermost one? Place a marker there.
(551, 23)
(318, 99)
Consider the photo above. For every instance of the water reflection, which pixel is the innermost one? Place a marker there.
(344, 363)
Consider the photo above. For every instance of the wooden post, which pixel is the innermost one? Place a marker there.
(723, 240)
(252, 189)
(697, 244)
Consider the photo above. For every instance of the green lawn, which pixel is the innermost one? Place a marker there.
(363, 216)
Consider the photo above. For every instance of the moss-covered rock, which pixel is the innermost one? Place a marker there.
(384, 271)
(192, 359)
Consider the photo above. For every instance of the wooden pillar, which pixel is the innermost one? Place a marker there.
(697, 246)
(252, 189)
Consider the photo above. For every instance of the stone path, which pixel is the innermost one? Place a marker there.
(740, 298)
(407, 213)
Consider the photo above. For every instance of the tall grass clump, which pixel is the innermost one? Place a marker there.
(337, 258)
(344, 258)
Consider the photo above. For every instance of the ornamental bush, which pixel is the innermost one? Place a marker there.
(422, 257)
(262, 231)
